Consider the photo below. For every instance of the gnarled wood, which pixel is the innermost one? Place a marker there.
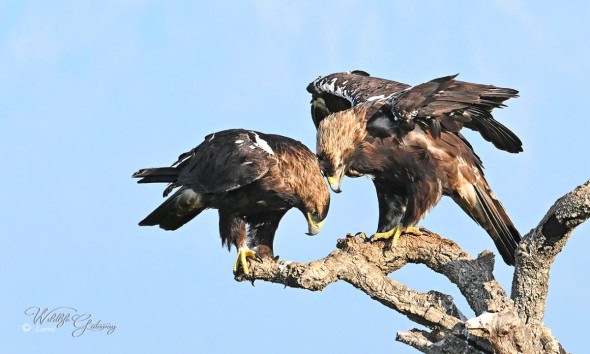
(502, 324)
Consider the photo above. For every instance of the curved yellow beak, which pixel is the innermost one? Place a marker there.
(314, 227)
(335, 184)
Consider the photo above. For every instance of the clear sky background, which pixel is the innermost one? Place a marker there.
(92, 91)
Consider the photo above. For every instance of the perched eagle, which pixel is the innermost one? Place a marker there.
(407, 140)
(252, 179)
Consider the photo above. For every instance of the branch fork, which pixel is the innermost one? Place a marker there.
(502, 324)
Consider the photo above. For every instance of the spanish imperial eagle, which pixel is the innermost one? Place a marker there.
(407, 140)
(252, 179)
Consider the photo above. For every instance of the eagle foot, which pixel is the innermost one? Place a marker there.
(416, 230)
(395, 233)
(391, 234)
(242, 260)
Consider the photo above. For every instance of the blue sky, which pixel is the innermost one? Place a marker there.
(92, 91)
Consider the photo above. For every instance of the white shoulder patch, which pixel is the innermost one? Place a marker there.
(261, 143)
(340, 90)
(239, 141)
(374, 98)
(380, 97)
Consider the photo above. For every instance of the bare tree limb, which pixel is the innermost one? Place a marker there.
(440, 342)
(501, 325)
(350, 263)
(539, 248)
(535, 256)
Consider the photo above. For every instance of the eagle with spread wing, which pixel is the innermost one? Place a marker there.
(252, 179)
(408, 141)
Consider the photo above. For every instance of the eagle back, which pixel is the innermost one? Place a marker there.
(226, 161)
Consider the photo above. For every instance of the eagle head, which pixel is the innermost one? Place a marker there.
(333, 168)
(309, 192)
(337, 137)
(316, 203)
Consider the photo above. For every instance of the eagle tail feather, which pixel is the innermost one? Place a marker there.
(180, 208)
(157, 175)
(494, 219)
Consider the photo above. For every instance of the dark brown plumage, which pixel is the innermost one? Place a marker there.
(408, 142)
(251, 178)
(444, 102)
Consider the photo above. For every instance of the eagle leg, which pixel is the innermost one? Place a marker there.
(242, 260)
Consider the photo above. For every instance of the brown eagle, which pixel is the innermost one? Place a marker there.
(407, 140)
(252, 179)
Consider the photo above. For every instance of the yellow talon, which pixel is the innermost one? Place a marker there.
(363, 236)
(413, 230)
(395, 233)
(242, 260)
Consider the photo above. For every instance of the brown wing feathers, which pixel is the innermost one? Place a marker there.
(175, 211)
(441, 107)
(456, 104)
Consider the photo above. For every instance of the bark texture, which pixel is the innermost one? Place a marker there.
(503, 324)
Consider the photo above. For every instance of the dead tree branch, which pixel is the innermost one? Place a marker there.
(539, 248)
(502, 324)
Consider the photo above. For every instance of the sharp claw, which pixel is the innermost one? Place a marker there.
(363, 236)
(387, 247)
(257, 258)
(414, 230)
(392, 234)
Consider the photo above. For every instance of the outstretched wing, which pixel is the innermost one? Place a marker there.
(225, 161)
(337, 92)
(446, 103)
